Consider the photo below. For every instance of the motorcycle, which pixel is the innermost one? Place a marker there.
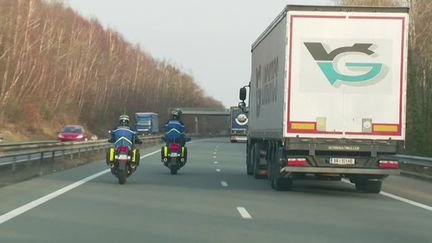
(122, 160)
(174, 156)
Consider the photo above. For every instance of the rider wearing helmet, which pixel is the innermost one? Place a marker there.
(174, 133)
(123, 135)
(174, 128)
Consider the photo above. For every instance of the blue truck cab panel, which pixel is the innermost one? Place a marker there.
(238, 125)
(146, 123)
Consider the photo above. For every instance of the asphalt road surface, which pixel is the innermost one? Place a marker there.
(211, 199)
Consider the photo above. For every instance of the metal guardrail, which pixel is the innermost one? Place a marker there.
(41, 153)
(7, 147)
(415, 160)
(2, 145)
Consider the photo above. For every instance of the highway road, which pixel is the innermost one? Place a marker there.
(210, 200)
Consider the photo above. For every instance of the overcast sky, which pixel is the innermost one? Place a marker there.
(209, 40)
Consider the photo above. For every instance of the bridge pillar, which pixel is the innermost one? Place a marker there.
(196, 125)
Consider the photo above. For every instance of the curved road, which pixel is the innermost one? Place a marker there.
(210, 200)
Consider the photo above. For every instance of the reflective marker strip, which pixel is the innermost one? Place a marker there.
(18, 211)
(111, 154)
(384, 128)
(134, 155)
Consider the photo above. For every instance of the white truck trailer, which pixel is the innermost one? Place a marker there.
(327, 95)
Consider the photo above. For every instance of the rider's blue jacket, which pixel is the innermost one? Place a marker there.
(174, 131)
(123, 136)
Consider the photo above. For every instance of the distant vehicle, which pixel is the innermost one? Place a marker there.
(327, 95)
(72, 133)
(238, 125)
(146, 123)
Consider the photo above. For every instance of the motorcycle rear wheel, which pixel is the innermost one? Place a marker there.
(173, 170)
(122, 177)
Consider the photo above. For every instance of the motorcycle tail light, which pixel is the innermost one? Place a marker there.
(123, 149)
(174, 146)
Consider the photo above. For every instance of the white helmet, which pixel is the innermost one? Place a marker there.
(124, 120)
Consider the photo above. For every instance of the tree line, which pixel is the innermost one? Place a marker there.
(57, 66)
(419, 91)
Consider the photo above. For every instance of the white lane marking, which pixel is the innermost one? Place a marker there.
(149, 154)
(26, 207)
(244, 213)
(402, 199)
(214, 157)
(414, 203)
(224, 183)
(216, 162)
(218, 170)
(214, 152)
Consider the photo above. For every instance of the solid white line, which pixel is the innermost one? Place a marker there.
(218, 170)
(224, 183)
(244, 213)
(417, 204)
(149, 154)
(402, 199)
(18, 211)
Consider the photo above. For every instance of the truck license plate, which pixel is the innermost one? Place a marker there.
(342, 161)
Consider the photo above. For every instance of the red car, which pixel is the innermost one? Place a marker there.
(72, 133)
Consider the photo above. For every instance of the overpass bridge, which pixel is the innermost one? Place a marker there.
(204, 111)
(197, 112)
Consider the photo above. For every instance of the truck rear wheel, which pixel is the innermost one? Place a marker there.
(368, 186)
(281, 184)
(256, 162)
(249, 168)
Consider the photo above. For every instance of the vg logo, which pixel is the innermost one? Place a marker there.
(368, 71)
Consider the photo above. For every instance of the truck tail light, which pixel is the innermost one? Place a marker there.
(297, 162)
(389, 164)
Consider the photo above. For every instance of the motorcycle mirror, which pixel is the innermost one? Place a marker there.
(242, 94)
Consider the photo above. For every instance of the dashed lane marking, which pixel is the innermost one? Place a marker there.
(244, 213)
(218, 170)
(224, 184)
